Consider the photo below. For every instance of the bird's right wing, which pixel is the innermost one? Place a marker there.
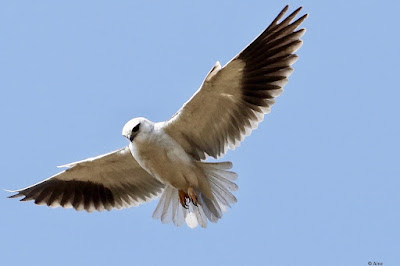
(112, 180)
(233, 99)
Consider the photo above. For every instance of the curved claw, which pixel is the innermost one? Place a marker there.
(183, 197)
(193, 196)
(186, 198)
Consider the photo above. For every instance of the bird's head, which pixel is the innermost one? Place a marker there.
(136, 127)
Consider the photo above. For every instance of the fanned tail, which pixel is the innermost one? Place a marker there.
(221, 183)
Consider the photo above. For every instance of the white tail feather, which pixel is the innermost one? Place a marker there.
(169, 209)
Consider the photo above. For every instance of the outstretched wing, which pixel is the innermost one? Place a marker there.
(112, 180)
(233, 100)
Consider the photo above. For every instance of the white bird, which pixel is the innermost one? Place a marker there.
(167, 158)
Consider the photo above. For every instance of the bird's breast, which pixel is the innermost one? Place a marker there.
(163, 158)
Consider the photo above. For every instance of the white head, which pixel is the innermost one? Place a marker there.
(137, 127)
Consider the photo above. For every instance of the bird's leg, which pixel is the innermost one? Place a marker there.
(193, 196)
(183, 197)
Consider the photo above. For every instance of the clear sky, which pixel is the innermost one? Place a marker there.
(318, 180)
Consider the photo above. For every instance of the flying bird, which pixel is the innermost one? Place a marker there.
(168, 158)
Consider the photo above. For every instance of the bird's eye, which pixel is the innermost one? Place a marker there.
(136, 128)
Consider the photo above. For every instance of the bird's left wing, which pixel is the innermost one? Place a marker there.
(233, 100)
(112, 180)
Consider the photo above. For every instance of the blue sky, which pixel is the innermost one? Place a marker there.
(319, 179)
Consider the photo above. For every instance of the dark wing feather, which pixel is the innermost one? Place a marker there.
(113, 180)
(233, 100)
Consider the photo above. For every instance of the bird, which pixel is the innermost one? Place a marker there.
(169, 160)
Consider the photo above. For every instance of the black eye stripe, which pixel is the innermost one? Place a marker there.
(136, 128)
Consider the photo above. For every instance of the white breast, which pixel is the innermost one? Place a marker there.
(164, 158)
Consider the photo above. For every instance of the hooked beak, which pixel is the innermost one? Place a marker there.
(130, 136)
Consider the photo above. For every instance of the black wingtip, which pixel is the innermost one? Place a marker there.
(281, 14)
(25, 199)
(300, 19)
(15, 196)
(293, 14)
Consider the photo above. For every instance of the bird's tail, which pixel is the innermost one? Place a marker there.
(221, 184)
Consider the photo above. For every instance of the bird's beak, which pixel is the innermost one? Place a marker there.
(130, 136)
